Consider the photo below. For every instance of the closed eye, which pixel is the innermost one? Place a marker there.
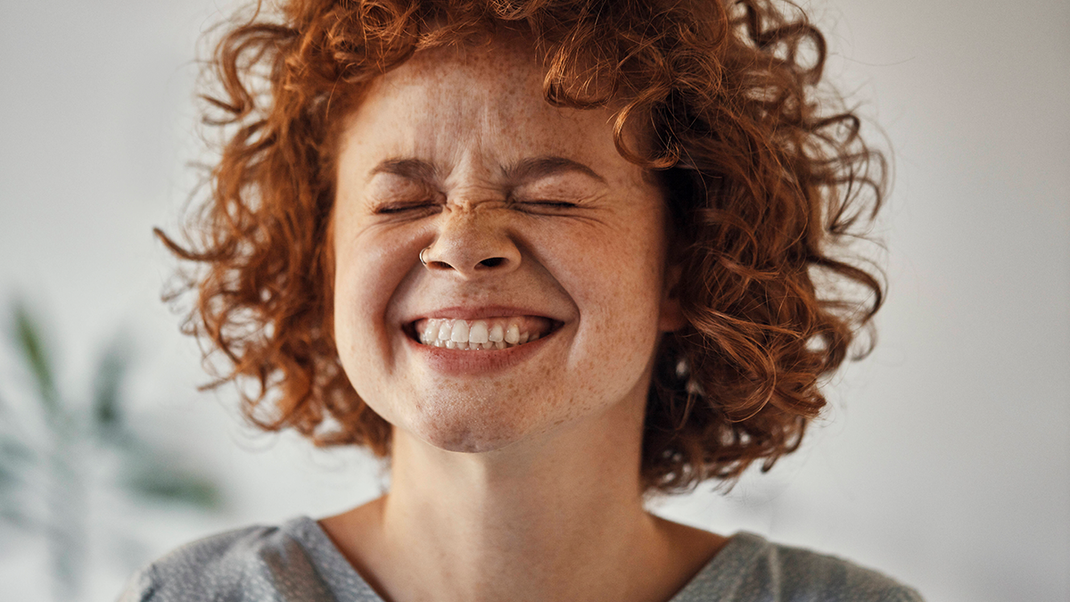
(559, 204)
(399, 208)
(546, 206)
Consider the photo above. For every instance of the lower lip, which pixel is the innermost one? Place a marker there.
(459, 361)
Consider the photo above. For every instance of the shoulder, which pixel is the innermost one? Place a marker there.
(804, 574)
(750, 568)
(253, 563)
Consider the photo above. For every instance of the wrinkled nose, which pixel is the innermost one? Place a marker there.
(471, 245)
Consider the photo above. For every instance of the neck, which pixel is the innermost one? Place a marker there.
(555, 504)
(555, 518)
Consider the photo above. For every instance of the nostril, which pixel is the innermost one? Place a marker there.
(492, 262)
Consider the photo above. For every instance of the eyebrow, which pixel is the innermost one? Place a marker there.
(411, 169)
(526, 169)
(538, 167)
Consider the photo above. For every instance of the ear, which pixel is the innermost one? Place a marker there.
(670, 318)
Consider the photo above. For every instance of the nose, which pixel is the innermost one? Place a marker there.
(471, 245)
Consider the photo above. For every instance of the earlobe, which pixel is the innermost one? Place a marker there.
(671, 318)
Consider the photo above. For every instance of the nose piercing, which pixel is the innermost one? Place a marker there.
(423, 259)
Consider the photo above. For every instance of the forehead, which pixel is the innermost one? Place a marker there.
(492, 60)
(489, 95)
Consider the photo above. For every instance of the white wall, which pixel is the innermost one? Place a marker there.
(945, 458)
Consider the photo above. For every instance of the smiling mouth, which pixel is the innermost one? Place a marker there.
(481, 335)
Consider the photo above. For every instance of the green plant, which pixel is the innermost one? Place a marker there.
(51, 443)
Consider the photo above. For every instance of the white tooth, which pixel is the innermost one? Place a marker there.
(460, 332)
(496, 334)
(439, 343)
(451, 344)
(428, 335)
(512, 335)
(462, 346)
(499, 344)
(523, 338)
(444, 331)
(533, 336)
(478, 333)
(489, 345)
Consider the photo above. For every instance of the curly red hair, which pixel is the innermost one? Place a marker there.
(766, 179)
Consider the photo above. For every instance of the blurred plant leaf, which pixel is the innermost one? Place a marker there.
(16, 462)
(29, 342)
(9, 477)
(108, 382)
(13, 452)
(15, 457)
(58, 508)
(16, 517)
(160, 482)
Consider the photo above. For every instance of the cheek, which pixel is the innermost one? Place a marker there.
(364, 283)
(618, 288)
(352, 321)
(367, 275)
(621, 272)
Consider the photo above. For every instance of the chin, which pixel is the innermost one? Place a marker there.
(469, 439)
(466, 442)
(466, 427)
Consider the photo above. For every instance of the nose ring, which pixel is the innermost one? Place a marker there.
(423, 259)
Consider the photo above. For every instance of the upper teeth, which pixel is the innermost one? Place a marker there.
(477, 334)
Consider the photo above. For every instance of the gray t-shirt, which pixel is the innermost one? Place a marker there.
(298, 562)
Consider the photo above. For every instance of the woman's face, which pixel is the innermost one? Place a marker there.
(535, 229)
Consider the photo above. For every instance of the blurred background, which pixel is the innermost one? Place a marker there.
(943, 460)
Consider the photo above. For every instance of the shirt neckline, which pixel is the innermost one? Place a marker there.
(720, 576)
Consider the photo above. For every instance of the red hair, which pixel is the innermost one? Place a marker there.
(766, 180)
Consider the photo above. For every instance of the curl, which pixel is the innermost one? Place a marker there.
(768, 179)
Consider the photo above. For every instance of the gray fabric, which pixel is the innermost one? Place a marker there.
(297, 561)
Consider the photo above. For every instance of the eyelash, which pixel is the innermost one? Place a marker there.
(549, 205)
(402, 208)
(430, 205)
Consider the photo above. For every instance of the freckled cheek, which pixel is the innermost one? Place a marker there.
(363, 286)
(364, 283)
(620, 270)
(582, 261)
(629, 290)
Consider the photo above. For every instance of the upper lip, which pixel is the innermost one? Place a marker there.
(481, 312)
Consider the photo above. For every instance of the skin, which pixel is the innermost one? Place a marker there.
(515, 473)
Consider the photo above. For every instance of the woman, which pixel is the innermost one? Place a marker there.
(546, 257)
